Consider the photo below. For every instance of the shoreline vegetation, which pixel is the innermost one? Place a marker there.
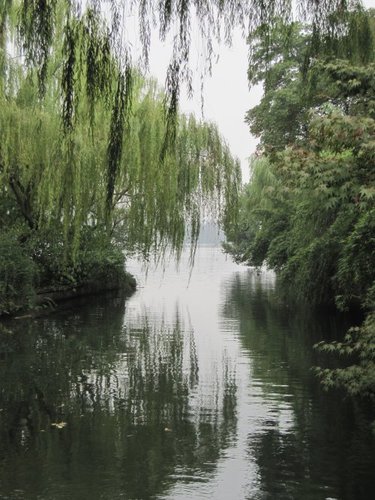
(35, 301)
(48, 301)
(308, 211)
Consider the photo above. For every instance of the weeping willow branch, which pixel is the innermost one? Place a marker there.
(36, 29)
(101, 33)
(120, 110)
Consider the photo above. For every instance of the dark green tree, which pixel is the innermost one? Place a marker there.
(309, 207)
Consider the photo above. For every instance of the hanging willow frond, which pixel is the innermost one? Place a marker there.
(103, 29)
(36, 31)
(120, 115)
(68, 76)
(99, 61)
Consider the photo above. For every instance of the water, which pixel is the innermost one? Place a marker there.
(196, 387)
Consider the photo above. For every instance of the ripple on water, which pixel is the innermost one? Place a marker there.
(198, 386)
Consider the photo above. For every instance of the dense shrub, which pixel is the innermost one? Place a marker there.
(18, 275)
(96, 259)
(38, 263)
(358, 348)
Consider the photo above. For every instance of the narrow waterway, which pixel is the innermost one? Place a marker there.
(198, 386)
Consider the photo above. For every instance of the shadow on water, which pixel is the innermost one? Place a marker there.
(311, 444)
(94, 408)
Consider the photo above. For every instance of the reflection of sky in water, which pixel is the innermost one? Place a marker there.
(198, 301)
(198, 386)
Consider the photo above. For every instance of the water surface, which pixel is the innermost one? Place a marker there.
(198, 386)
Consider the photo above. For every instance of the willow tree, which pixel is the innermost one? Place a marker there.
(85, 139)
(114, 173)
(77, 55)
(88, 157)
(71, 197)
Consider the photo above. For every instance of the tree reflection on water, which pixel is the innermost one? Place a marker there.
(308, 444)
(136, 419)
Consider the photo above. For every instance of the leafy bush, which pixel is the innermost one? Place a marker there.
(97, 258)
(356, 270)
(41, 263)
(358, 347)
(18, 275)
(309, 272)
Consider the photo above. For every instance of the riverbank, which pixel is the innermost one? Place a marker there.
(49, 299)
(52, 299)
(39, 271)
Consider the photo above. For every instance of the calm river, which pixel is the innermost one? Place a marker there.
(197, 387)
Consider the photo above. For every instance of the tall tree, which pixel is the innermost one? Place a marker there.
(86, 154)
(308, 211)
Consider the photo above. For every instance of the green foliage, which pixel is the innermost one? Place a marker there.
(358, 349)
(263, 200)
(309, 209)
(84, 160)
(97, 259)
(301, 72)
(36, 262)
(88, 42)
(277, 58)
(110, 173)
(18, 274)
(356, 270)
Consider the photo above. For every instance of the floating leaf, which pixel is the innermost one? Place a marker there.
(59, 425)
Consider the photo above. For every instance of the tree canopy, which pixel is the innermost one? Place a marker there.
(315, 158)
(83, 132)
(91, 31)
(308, 210)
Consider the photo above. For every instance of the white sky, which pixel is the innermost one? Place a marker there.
(226, 93)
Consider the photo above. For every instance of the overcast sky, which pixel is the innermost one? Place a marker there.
(226, 93)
